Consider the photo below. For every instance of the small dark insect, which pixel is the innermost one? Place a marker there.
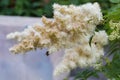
(47, 53)
(95, 43)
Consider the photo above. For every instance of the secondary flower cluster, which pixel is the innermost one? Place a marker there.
(72, 29)
(115, 34)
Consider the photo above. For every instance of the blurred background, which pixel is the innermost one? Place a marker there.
(38, 8)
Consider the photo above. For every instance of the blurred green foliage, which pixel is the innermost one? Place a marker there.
(39, 8)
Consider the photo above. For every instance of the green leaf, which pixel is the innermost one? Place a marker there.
(115, 1)
(85, 74)
(90, 40)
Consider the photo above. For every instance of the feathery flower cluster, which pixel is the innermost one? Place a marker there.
(71, 29)
(115, 34)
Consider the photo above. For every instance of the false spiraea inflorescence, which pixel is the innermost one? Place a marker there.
(70, 29)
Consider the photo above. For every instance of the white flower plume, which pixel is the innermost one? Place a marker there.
(71, 29)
